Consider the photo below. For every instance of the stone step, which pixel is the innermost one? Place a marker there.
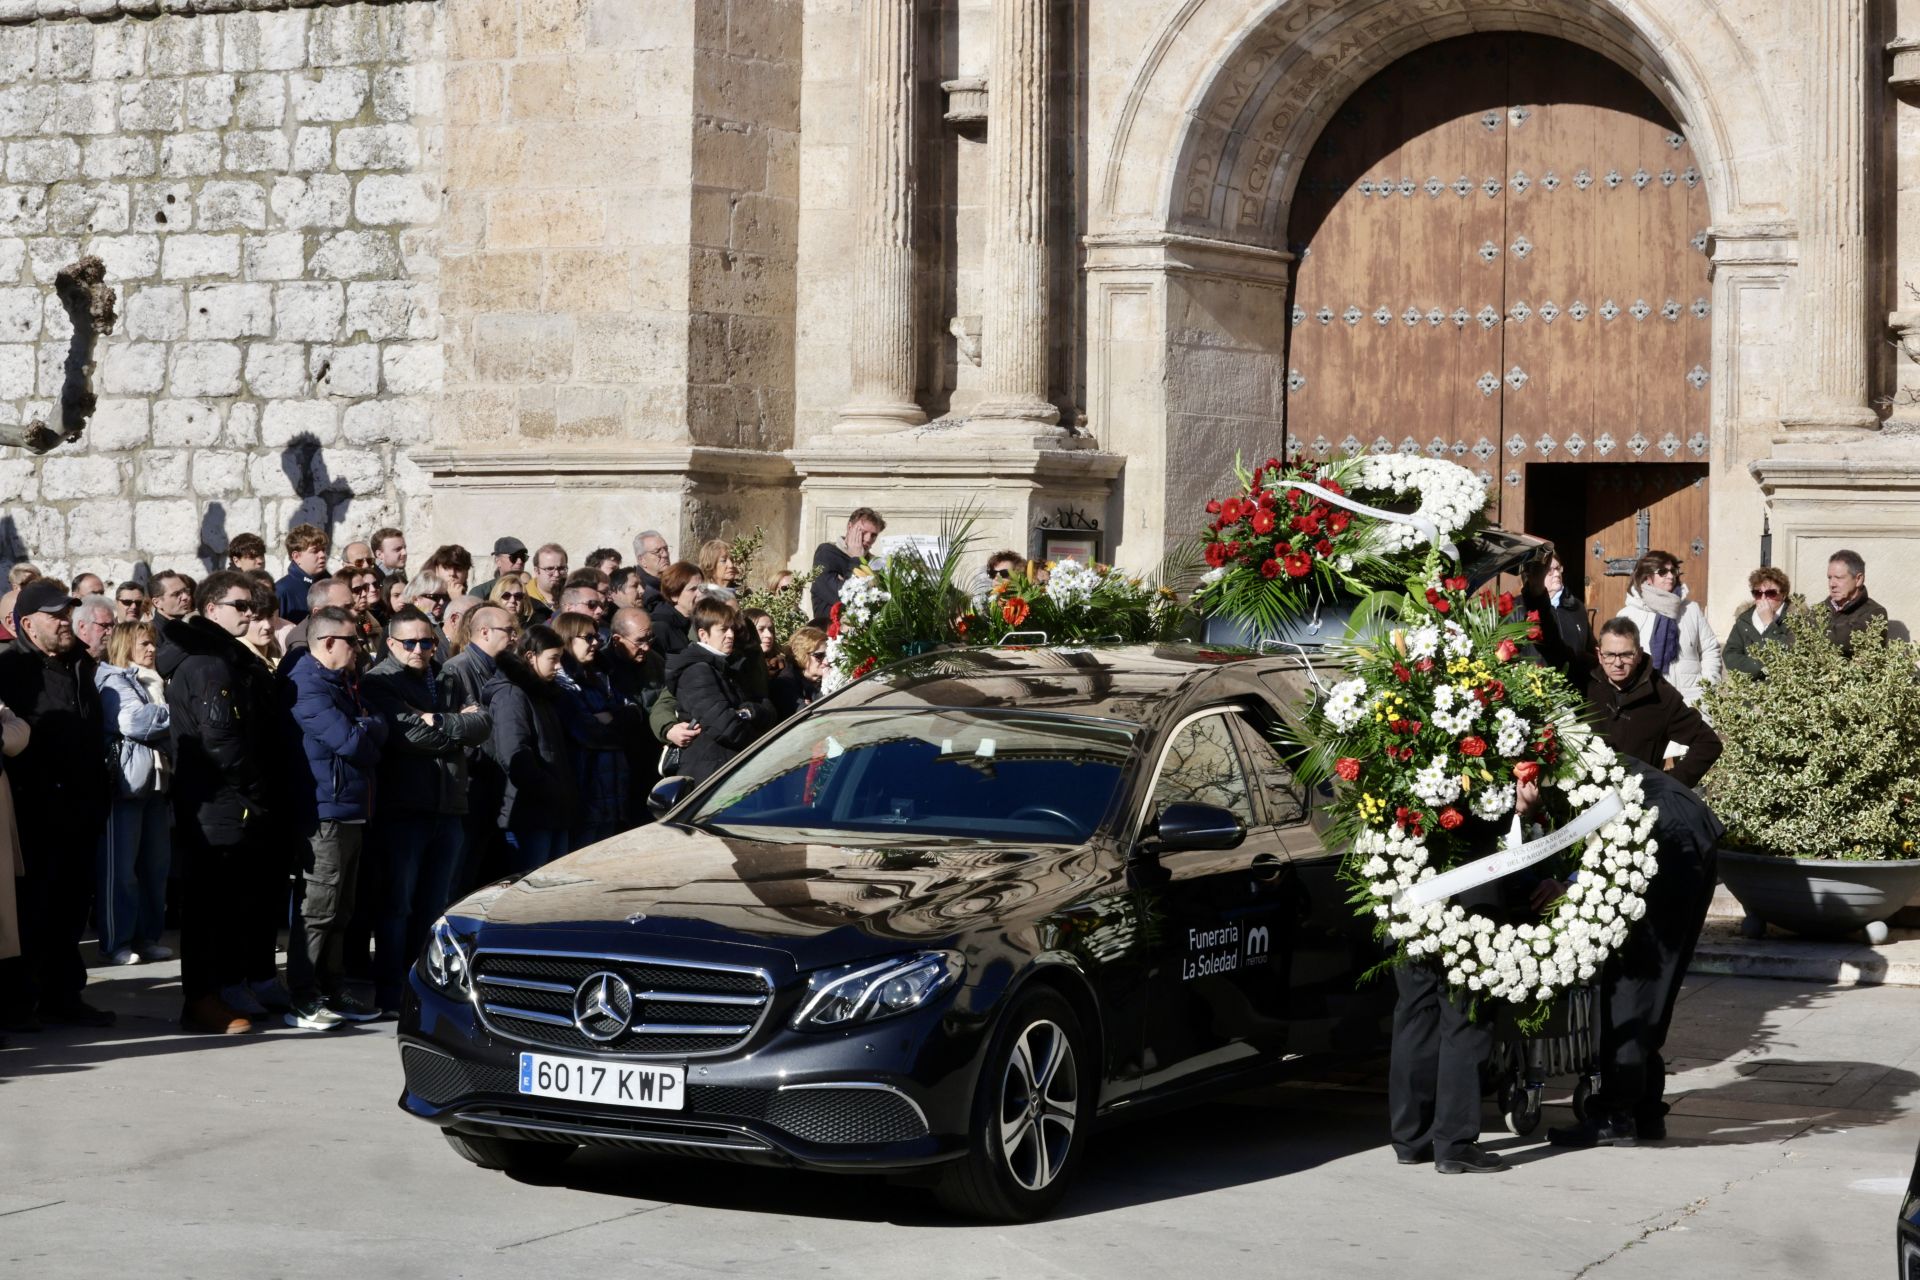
(1846, 963)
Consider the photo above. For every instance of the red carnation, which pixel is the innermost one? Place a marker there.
(1506, 603)
(1401, 673)
(1506, 650)
(867, 664)
(1266, 499)
(1269, 568)
(1495, 690)
(1347, 767)
(1333, 486)
(1263, 521)
(1213, 507)
(1299, 565)
(1216, 554)
(1451, 817)
(1230, 510)
(1233, 548)
(1273, 464)
(1424, 665)
(1323, 548)
(1438, 601)
(1473, 746)
(1339, 521)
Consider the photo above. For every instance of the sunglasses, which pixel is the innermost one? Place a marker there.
(416, 645)
(360, 562)
(132, 600)
(331, 639)
(513, 595)
(1001, 573)
(238, 606)
(1767, 593)
(438, 599)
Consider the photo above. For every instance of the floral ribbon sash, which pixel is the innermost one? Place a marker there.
(1515, 855)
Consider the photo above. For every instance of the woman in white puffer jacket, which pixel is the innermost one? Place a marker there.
(1674, 632)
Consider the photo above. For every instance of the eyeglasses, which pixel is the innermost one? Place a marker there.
(1766, 593)
(1617, 658)
(415, 645)
(640, 642)
(360, 562)
(238, 606)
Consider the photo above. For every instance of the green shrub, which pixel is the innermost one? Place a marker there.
(1823, 755)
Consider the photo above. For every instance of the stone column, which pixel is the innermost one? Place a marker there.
(1833, 220)
(883, 303)
(1016, 335)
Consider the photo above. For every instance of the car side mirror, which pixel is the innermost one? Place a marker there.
(666, 793)
(1197, 826)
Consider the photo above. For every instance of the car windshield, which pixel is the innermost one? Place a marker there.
(907, 772)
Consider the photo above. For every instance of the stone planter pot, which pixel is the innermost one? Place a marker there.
(1815, 897)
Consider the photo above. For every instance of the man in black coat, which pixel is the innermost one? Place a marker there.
(651, 556)
(223, 731)
(836, 561)
(62, 794)
(491, 631)
(1641, 981)
(1849, 608)
(638, 674)
(419, 829)
(1640, 714)
(709, 695)
(1566, 636)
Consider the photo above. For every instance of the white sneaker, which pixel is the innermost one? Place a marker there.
(125, 956)
(313, 1017)
(156, 952)
(240, 999)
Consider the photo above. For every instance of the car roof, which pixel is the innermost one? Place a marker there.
(1139, 682)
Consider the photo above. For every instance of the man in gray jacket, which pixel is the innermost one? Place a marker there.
(419, 828)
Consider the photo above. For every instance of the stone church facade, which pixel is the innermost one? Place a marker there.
(569, 269)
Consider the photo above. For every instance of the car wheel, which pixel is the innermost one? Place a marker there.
(510, 1155)
(1030, 1115)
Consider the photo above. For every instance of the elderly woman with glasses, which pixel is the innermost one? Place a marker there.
(428, 593)
(1673, 630)
(599, 726)
(1761, 621)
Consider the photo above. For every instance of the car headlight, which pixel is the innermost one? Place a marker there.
(444, 962)
(854, 994)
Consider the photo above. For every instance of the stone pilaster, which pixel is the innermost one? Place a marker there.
(1833, 221)
(1015, 329)
(883, 330)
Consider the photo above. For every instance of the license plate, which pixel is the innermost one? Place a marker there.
(617, 1084)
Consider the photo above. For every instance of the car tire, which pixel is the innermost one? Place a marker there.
(1051, 1104)
(510, 1155)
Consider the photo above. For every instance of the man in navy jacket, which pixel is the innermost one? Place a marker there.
(342, 743)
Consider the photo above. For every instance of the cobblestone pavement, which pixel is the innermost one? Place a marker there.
(141, 1151)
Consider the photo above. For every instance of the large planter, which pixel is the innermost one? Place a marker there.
(1816, 897)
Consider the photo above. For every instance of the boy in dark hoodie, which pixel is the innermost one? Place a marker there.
(710, 695)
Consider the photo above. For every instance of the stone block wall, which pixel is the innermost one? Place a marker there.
(262, 187)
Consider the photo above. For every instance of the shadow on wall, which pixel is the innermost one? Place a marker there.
(323, 497)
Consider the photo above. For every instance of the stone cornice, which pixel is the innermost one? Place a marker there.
(896, 460)
(20, 12)
(510, 468)
(1187, 254)
(1777, 475)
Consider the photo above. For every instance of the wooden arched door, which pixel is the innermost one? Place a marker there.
(1501, 246)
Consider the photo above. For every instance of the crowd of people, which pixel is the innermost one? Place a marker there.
(342, 750)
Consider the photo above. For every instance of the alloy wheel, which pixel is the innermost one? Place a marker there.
(1039, 1105)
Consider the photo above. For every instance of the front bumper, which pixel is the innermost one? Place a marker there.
(894, 1096)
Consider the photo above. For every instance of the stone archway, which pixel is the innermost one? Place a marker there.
(1187, 266)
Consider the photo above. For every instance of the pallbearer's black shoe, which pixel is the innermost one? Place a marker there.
(1472, 1158)
(1611, 1131)
(1419, 1155)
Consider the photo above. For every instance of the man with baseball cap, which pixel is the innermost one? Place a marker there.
(46, 678)
(509, 556)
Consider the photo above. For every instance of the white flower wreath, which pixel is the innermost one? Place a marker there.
(1450, 497)
(1528, 964)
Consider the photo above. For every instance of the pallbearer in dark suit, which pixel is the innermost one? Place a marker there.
(1642, 980)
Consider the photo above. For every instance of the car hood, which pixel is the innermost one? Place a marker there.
(815, 896)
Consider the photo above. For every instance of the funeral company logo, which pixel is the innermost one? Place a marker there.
(603, 1006)
(1259, 943)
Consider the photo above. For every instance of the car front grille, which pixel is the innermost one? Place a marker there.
(683, 1010)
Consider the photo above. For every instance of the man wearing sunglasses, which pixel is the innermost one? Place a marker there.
(509, 556)
(129, 602)
(1759, 622)
(341, 742)
(225, 739)
(419, 831)
(491, 631)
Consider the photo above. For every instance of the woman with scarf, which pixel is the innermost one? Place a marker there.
(1674, 631)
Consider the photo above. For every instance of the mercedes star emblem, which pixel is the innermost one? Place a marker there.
(602, 1006)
